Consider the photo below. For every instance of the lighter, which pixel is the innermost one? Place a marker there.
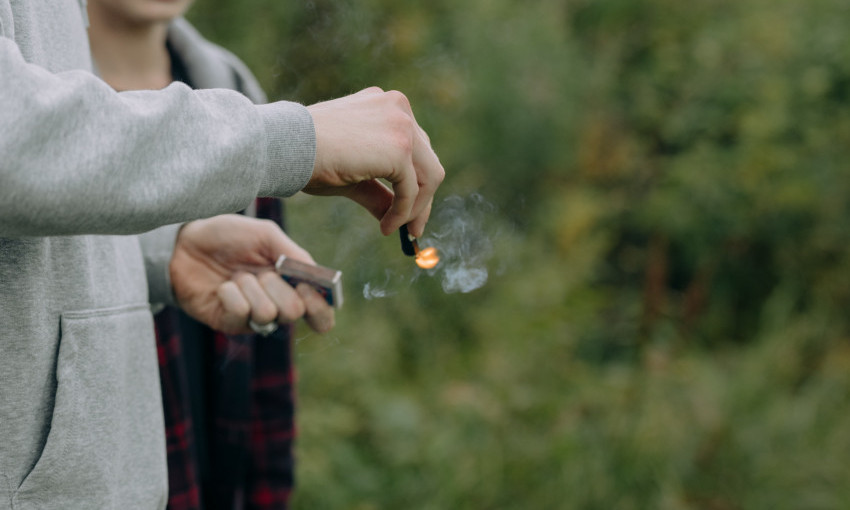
(326, 281)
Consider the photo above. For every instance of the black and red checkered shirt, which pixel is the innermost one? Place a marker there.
(229, 407)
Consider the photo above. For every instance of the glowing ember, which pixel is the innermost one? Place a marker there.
(427, 258)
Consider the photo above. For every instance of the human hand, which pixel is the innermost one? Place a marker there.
(221, 272)
(373, 135)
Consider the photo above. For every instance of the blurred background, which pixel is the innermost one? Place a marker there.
(649, 201)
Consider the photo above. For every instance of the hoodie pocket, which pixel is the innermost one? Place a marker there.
(106, 445)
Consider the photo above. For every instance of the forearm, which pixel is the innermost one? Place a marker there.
(78, 158)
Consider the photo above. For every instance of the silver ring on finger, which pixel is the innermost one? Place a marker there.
(263, 329)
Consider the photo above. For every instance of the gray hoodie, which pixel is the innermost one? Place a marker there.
(83, 171)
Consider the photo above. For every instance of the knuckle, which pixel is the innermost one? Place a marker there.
(402, 135)
(241, 310)
(230, 300)
(268, 227)
(440, 174)
(268, 278)
(404, 145)
(399, 99)
(294, 309)
(242, 278)
(265, 313)
(269, 224)
(403, 122)
(432, 179)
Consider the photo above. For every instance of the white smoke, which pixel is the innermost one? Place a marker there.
(461, 229)
(380, 290)
(464, 279)
(461, 236)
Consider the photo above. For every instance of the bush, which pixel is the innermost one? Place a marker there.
(659, 198)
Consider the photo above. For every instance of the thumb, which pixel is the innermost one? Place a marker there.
(277, 243)
(372, 195)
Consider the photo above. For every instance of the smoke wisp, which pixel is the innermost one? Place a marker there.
(461, 234)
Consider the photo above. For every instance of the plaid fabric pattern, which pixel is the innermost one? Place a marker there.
(183, 481)
(271, 472)
(230, 440)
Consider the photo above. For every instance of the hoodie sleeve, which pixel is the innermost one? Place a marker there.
(157, 249)
(78, 158)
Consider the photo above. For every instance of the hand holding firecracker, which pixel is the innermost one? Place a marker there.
(372, 136)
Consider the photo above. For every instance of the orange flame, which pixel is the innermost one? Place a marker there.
(427, 258)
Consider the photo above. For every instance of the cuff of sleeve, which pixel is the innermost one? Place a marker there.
(291, 140)
(157, 248)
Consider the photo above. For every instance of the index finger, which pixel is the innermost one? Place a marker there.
(319, 314)
(430, 174)
(406, 189)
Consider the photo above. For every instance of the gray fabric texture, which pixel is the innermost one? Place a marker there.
(82, 171)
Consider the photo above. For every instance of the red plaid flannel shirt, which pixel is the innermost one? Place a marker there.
(229, 447)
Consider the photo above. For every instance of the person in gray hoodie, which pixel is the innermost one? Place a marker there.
(95, 187)
(217, 390)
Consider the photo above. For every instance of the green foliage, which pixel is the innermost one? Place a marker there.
(664, 325)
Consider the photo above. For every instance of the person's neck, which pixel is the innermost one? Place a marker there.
(129, 56)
